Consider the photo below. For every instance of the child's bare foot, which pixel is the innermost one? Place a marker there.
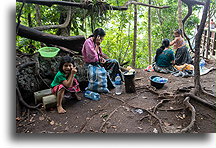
(76, 97)
(61, 110)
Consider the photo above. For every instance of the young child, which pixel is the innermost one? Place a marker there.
(182, 54)
(64, 82)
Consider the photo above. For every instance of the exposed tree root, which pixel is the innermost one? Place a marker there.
(149, 88)
(160, 103)
(208, 94)
(193, 112)
(174, 109)
(155, 116)
(184, 89)
(207, 103)
(23, 102)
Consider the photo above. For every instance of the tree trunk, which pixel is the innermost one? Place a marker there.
(38, 15)
(208, 38)
(197, 48)
(135, 37)
(149, 33)
(74, 43)
(63, 31)
(180, 16)
(29, 20)
(63, 17)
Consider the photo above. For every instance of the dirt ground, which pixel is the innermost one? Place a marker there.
(120, 113)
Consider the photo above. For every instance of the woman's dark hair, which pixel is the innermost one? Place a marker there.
(65, 59)
(179, 31)
(165, 43)
(98, 31)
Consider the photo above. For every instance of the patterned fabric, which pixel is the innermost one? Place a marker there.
(74, 88)
(113, 68)
(97, 77)
(169, 69)
(182, 56)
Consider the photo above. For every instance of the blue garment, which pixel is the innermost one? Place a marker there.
(97, 77)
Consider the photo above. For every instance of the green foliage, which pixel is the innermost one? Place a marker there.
(119, 26)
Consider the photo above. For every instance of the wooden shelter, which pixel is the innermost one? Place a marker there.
(204, 42)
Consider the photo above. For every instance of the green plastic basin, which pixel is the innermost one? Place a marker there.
(48, 52)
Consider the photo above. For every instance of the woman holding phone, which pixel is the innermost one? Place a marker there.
(92, 54)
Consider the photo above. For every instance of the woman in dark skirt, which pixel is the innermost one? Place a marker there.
(182, 54)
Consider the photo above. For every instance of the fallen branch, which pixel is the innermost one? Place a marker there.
(89, 5)
(74, 43)
(193, 112)
(114, 98)
(116, 109)
(83, 127)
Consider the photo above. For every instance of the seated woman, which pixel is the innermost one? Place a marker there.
(182, 54)
(92, 54)
(164, 58)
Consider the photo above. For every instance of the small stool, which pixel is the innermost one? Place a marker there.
(40, 94)
(49, 101)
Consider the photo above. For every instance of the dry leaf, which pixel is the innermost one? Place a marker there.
(67, 128)
(114, 126)
(41, 118)
(31, 119)
(18, 118)
(155, 130)
(52, 122)
(140, 128)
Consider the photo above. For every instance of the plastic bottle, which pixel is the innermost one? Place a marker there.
(118, 87)
(202, 64)
(92, 95)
